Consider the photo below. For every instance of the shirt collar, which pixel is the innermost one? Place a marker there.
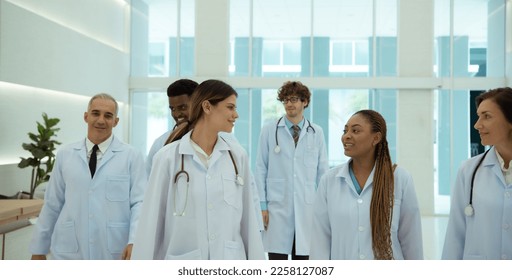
(289, 124)
(502, 162)
(102, 146)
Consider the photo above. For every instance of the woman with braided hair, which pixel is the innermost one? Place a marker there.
(366, 208)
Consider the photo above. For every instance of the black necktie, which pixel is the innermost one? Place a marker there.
(93, 160)
(296, 132)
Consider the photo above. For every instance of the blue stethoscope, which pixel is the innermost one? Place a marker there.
(277, 149)
(183, 173)
(469, 210)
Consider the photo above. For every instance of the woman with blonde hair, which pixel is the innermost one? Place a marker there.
(199, 204)
(366, 208)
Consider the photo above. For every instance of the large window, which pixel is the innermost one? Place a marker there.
(472, 47)
(163, 38)
(345, 51)
(328, 38)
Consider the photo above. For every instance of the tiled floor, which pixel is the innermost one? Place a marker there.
(434, 228)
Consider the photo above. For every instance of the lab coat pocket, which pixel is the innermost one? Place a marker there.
(232, 192)
(311, 157)
(234, 250)
(117, 237)
(309, 192)
(118, 187)
(396, 215)
(64, 238)
(192, 255)
(275, 189)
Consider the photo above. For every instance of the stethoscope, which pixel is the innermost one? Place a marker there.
(469, 210)
(183, 173)
(277, 149)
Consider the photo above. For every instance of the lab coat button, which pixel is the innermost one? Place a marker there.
(210, 206)
(362, 257)
(361, 228)
(359, 201)
(503, 257)
(208, 177)
(506, 226)
(212, 236)
(507, 194)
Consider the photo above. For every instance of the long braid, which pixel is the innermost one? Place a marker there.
(381, 206)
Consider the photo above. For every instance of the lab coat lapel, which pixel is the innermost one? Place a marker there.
(114, 147)
(219, 148)
(491, 161)
(186, 149)
(82, 152)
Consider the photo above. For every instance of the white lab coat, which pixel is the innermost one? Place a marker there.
(157, 145)
(219, 221)
(287, 182)
(84, 218)
(488, 233)
(232, 141)
(341, 226)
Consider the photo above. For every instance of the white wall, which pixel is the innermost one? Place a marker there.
(54, 55)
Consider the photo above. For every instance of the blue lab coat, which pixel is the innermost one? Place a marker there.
(488, 233)
(218, 221)
(341, 223)
(84, 218)
(287, 182)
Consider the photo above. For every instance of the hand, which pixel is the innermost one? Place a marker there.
(127, 252)
(38, 257)
(264, 213)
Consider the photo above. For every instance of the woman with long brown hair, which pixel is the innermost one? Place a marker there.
(199, 204)
(366, 208)
(480, 220)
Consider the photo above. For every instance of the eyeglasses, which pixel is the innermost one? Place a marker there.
(293, 99)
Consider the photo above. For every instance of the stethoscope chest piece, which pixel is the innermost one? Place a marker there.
(469, 211)
(239, 180)
(277, 149)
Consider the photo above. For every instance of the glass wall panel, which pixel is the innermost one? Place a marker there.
(442, 26)
(340, 30)
(386, 23)
(342, 104)
(165, 31)
(478, 38)
(150, 118)
(239, 36)
(284, 30)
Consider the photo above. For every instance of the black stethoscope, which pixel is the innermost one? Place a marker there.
(183, 173)
(469, 210)
(277, 149)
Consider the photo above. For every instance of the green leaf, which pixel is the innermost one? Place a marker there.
(24, 163)
(42, 150)
(52, 122)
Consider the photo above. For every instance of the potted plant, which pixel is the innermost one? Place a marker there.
(42, 149)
